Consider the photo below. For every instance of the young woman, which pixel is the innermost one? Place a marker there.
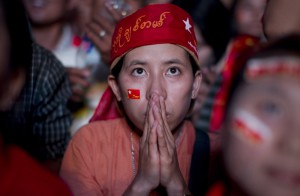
(154, 77)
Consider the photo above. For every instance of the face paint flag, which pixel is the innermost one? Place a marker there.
(133, 93)
(251, 127)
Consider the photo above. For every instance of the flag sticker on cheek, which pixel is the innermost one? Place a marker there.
(251, 127)
(133, 94)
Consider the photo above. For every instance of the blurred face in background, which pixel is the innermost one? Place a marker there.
(248, 15)
(44, 12)
(262, 134)
(281, 18)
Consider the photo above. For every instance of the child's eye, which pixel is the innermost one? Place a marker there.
(138, 72)
(271, 108)
(173, 71)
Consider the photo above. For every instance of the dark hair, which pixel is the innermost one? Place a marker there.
(16, 21)
(213, 20)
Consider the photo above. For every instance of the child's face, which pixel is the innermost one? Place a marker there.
(43, 12)
(248, 14)
(163, 69)
(262, 141)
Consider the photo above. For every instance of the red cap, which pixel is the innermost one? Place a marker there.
(154, 24)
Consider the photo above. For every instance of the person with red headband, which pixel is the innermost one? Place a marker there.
(147, 147)
(261, 129)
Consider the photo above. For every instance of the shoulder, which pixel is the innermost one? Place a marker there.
(103, 131)
(188, 127)
(47, 74)
(44, 62)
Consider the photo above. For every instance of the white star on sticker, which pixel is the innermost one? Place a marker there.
(187, 25)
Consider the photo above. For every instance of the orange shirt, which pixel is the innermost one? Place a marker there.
(98, 159)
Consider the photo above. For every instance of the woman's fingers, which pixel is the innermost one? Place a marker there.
(152, 143)
(148, 171)
(167, 131)
(147, 125)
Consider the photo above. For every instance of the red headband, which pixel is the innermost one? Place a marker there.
(154, 24)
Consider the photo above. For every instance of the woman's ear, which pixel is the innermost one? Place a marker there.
(196, 84)
(112, 82)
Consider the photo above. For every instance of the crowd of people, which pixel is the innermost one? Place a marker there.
(200, 97)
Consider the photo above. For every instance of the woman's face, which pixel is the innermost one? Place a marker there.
(163, 69)
(248, 15)
(262, 136)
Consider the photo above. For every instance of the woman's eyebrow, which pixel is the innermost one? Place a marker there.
(166, 62)
(136, 62)
(175, 61)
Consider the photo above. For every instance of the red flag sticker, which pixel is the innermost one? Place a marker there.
(133, 94)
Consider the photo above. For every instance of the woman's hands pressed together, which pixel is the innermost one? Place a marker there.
(158, 164)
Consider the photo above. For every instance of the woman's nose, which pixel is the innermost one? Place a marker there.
(156, 86)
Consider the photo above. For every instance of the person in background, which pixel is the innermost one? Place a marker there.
(247, 16)
(235, 32)
(104, 17)
(261, 133)
(148, 150)
(38, 120)
(20, 174)
(245, 21)
(53, 26)
(281, 18)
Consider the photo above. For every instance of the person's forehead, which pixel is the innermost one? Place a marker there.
(157, 51)
(281, 64)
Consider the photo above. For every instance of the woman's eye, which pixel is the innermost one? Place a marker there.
(173, 71)
(138, 72)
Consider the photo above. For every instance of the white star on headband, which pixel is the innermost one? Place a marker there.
(187, 25)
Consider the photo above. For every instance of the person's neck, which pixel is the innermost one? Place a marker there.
(177, 131)
(48, 36)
